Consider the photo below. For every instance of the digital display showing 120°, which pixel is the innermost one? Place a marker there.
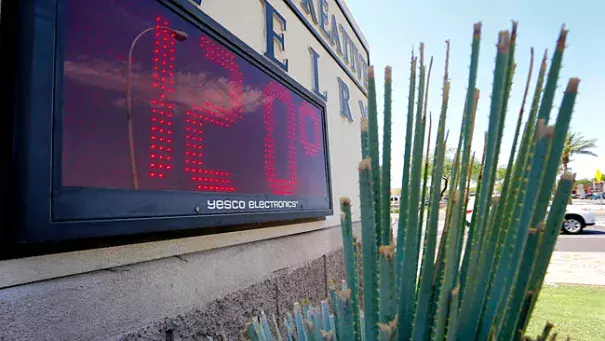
(152, 103)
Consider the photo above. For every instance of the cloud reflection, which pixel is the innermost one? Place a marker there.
(189, 88)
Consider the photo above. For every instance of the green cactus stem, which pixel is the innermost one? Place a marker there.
(548, 176)
(471, 306)
(333, 328)
(507, 195)
(370, 264)
(466, 128)
(522, 171)
(519, 291)
(345, 309)
(556, 151)
(277, 331)
(467, 105)
(422, 315)
(325, 315)
(387, 291)
(504, 206)
(385, 230)
(471, 240)
(407, 290)
(453, 313)
(516, 191)
(405, 181)
(448, 275)
(465, 172)
(547, 246)
(289, 327)
(493, 250)
(317, 323)
(508, 81)
(553, 77)
(363, 325)
(441, 250)
(265, 326)
(298, 318)
(424, 184)
(374, 154)
(333, 301)
(350, 261)
(426, 161)
(465, 206)
(544, 168)
(546, 331)
(252, 333)
(365, 139)
(521, 226)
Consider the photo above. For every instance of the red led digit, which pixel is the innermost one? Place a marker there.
(161, 109)
(221, 114)
(274, 91)
(307, 112)
(205, 179)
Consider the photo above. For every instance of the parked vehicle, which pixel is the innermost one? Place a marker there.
(576, 217)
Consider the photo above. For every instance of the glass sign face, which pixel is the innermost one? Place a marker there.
(152, 103)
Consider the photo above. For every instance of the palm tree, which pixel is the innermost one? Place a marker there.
(576, 144)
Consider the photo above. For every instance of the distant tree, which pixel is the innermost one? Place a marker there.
(500, 175)
(585, 182)
(576, 144)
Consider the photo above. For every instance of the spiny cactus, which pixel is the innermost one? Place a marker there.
(482, 280)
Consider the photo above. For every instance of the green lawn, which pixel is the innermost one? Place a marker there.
(576, 311)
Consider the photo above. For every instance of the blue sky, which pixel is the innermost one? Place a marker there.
(393, 27)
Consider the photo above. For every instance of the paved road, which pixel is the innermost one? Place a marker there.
(591, 240)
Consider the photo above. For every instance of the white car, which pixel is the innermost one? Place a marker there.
(576, 217)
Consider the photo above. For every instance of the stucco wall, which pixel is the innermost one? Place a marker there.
(191, 294)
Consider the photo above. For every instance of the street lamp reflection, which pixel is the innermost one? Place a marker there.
(178, 35)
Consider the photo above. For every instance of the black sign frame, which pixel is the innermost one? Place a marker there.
(36, 80)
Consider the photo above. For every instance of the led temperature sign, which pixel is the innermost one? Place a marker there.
(152, 104)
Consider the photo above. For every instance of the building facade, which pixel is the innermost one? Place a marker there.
(111, 240)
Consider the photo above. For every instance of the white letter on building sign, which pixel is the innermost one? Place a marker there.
(273, 37)
(315, 65)
(345, 110)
